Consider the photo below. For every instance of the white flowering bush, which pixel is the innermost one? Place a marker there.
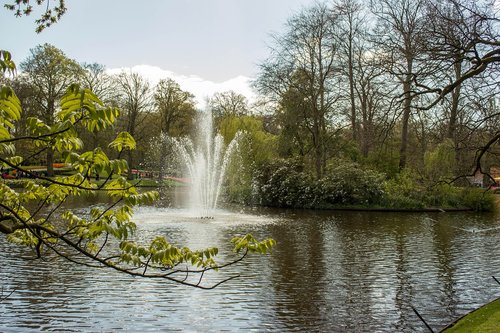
(285, 183)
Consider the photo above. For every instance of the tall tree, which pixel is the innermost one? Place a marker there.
(304, 59)
(175, 106)
(135, 101)
(462, 36)
(49, 72)
(98, 81)
(351, 27)
(228, 103)
(400, 24)
(176, 111)
(369, 84)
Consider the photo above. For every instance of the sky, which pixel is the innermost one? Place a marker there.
(205, 45)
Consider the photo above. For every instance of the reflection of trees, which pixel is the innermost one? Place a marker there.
(359, 283)
(349, 271)
(342, 272)
(443, 247)
(418, 271)
(404, 288)
(471, 243)
(299, 272)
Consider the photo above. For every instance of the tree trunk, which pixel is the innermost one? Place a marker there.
(318, 162)
(455, 98)
(50, 162)
(452, 125)
(130, 176)
(404, 124)
(351, 91)
(365, 135)
(50, 151)
(318, 156)
(163, 155)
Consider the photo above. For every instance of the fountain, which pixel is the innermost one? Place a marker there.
(206, 163)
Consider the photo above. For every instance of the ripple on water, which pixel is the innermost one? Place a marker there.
(340, 272)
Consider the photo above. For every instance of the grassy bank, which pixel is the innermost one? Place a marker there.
(483, 320)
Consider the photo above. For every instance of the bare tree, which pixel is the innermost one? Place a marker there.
(369, 86)
(465, 32)
(400, 24)
(352, 27)
(96, 79)
(135, 101)
(228, 103)
(463, 37)
(304, 61)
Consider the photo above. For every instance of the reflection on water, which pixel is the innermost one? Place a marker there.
(331, 271)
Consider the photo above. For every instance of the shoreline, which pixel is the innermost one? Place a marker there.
(399, 210)
(151, 184)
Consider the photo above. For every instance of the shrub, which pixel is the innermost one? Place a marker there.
(478, 199)
(443, 195)
(284, 183)
(348, 183)
(404, 191)
(439, 163)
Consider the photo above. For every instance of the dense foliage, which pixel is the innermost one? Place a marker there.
(285, 183)
(409, 190)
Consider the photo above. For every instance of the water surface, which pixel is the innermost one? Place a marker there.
(330, 272)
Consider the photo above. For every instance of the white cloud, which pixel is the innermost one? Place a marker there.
(199, 87)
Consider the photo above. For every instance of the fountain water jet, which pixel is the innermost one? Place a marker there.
(206, 164)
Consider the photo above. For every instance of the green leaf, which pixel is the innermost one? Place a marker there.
(248, 242)
(84, 105)
(10, 105)
(7, 148)
(4, 133)
(15, 160)
(6, 63)
(123, 141)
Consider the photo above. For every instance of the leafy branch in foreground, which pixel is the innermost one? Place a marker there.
(34, 216)
(51, 15)
(6, 63)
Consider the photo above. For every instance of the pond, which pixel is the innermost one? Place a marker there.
(330, 272)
